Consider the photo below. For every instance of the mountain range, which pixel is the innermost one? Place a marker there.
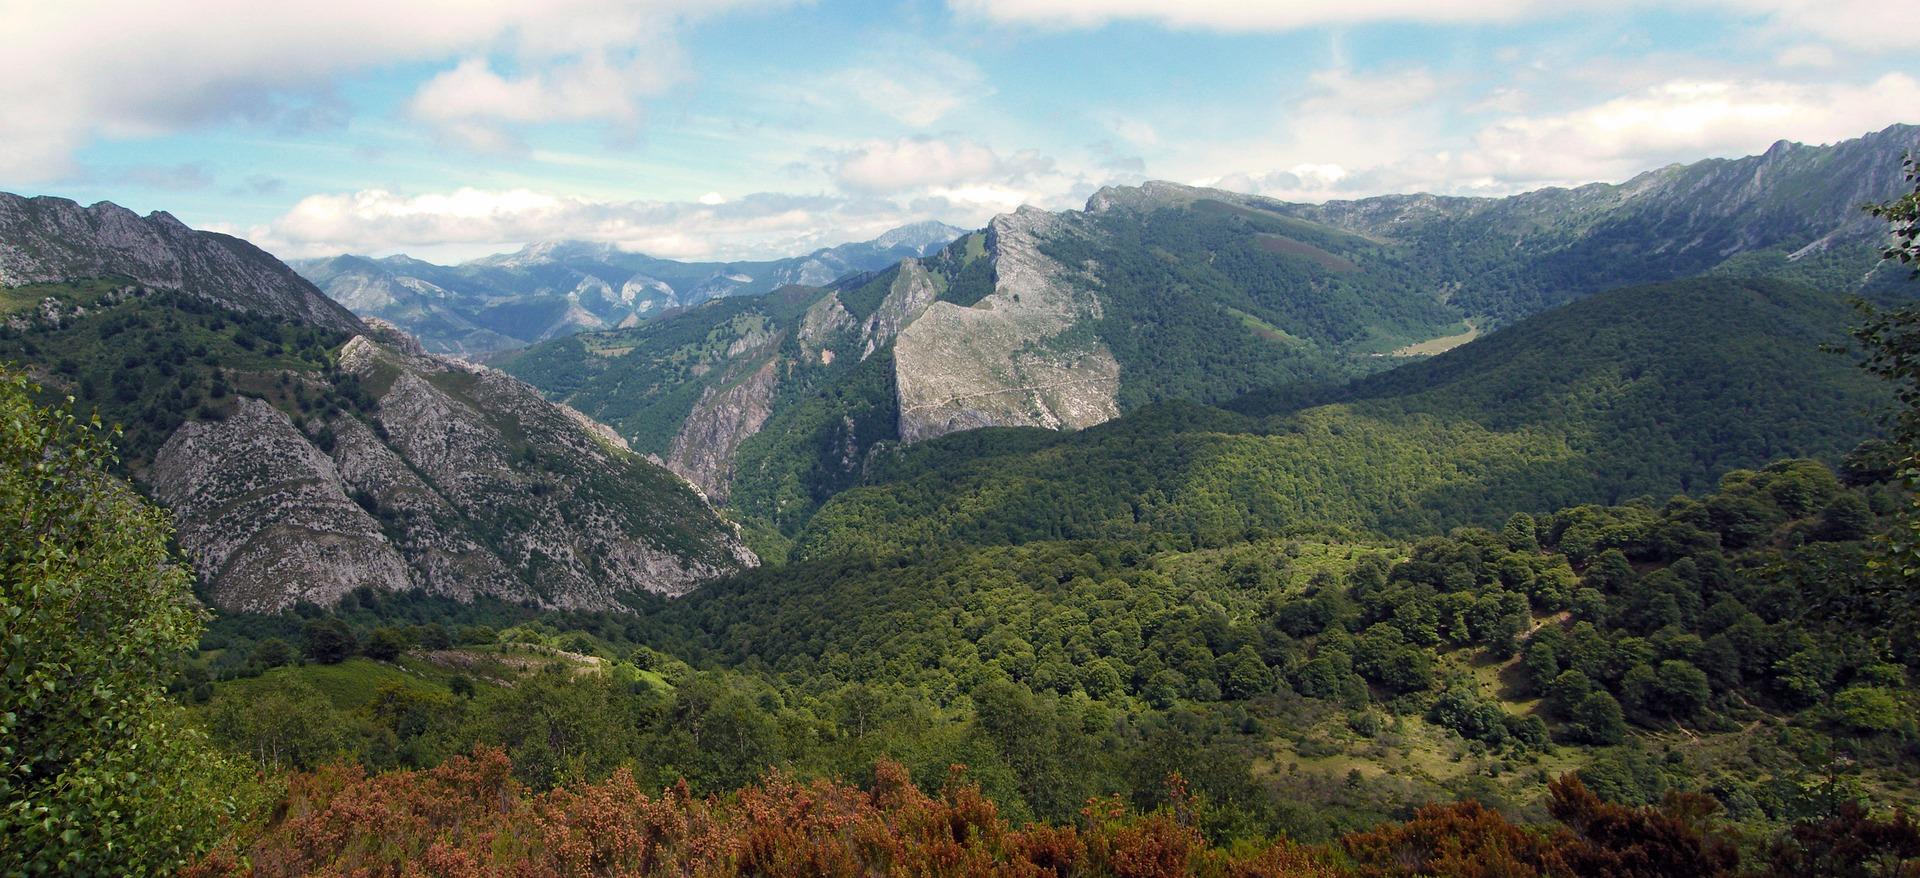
(1236, 354)
(1162, 293)
(550, 289)
(1302, 515)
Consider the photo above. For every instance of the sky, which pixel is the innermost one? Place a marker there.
(705, 129)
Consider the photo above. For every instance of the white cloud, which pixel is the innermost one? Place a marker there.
(1868, 24)
(884, 166)
(1681, 121)
(1330, 154)
(1240, 15)
(476, 106)
(85, 69)
(916, 86)
(469, 222)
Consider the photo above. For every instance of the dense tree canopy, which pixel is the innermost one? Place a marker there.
(99, 774)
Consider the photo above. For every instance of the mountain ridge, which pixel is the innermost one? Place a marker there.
(48, 239)
(1164, 292)
(549, 289)
(304, 453)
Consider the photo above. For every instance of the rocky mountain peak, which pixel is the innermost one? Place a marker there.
(46, 239)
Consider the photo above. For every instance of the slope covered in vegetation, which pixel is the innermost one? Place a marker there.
(1646, 391)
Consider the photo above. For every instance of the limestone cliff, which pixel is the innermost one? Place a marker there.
(908, 297)
(1012, 359)
(726, 415)
(458, 480)
(265, 515)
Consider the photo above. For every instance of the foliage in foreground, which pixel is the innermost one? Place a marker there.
(469, 817)
(98, 775)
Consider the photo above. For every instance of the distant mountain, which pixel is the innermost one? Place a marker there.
(304, 453)
(1161, 292)
(1650, 390)
(1792, 211)
(552, 289)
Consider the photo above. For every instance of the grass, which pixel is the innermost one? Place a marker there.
(1440, 345)
(352, 683)
(26, 298)
(1286, 246)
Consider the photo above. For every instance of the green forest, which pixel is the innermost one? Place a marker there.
(1626, 588)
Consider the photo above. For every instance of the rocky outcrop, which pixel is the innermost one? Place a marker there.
(265, 515)
(578, 520)
(820, 326)
(458, 480)
(1013, 359)
(48, 239)
(441, 556)
(912, 291)
(726, 415)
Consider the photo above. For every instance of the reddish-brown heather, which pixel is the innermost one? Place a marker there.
(468, 817)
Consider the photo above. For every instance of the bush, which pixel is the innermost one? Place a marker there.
(328, 641)
(1868, 710)
(271, 653)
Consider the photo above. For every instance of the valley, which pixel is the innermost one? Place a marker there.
(1275, 534)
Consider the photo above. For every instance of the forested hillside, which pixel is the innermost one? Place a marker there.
(1165, 293)
(303, 458)
(1646, 391)
(1313, 684)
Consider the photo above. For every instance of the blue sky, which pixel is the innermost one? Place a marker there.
(735, 128)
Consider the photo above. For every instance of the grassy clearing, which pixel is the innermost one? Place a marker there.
(1286, 246)
(1440, 345)
(349, 684)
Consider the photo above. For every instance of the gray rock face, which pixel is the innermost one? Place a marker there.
(461, 481)
(912, 292)
(726, 415)
(821, 325)
(265, 515)
(578, 520)
(1010, 359)
(54, 239)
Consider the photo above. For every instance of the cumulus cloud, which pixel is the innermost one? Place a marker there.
(1680, 121)
(886, 166)
(468, 222)
(1335, 155)
(133, 68)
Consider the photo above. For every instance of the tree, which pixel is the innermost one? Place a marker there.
(1247, 675)
(1597, 719)
(288, 725)
(271, 653)
(1868, 709)
(99, 774)
(1520, 533)
(386, 644)
(1903, 216)
(1675, 689)
(1892, 342)
(328, 641)
(1846, 518)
